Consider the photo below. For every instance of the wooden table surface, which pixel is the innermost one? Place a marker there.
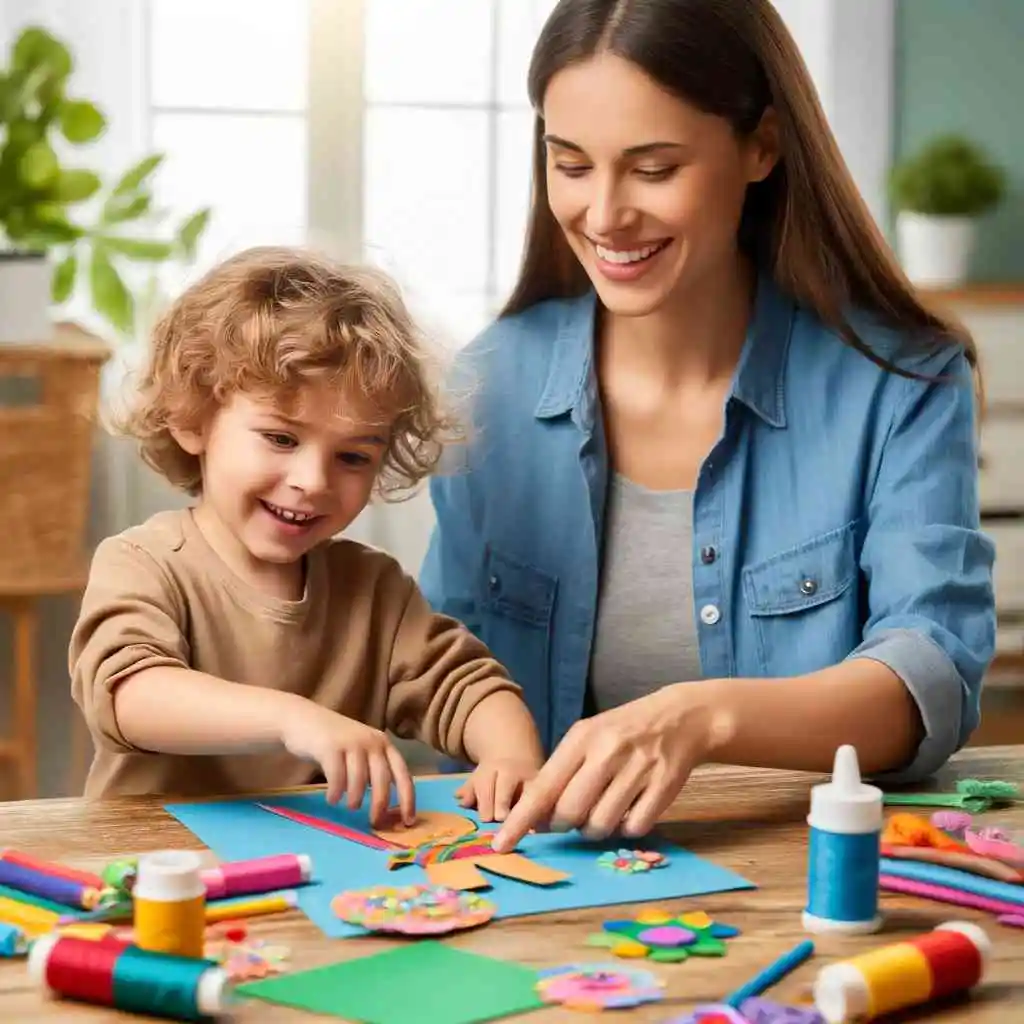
(752, 822)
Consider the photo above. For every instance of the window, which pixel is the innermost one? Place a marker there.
(228, 98)
(446, 158)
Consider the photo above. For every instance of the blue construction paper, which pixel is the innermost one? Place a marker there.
(239, 830)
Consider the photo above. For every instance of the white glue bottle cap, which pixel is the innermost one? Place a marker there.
(169, 876)
(846, 804)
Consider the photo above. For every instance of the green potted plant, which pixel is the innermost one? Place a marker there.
(939, 193)
(48, 245)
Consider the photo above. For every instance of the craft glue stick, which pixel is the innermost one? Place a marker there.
(264, 874)
(950, 960)
(844, 851)
(170, 903)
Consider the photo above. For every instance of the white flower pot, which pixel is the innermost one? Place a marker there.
(25, 297)
(935, 251)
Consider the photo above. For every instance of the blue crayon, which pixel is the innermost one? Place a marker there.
(12, 940)
(772, 974)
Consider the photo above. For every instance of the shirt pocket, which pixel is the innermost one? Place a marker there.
(804, 603)
(518, 602)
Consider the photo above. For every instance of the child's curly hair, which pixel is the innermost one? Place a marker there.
(270, 320)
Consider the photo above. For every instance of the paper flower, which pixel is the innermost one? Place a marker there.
(593, 987)
(630, 862)
(952, 822)
(663, 937)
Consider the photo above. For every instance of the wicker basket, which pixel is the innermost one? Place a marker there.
(49, 396)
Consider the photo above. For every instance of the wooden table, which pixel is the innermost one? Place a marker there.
(752, 822)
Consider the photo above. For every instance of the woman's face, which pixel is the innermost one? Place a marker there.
(647, 188)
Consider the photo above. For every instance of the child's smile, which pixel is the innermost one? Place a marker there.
(280, 479)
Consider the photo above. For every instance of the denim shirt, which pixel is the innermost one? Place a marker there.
(836, 516)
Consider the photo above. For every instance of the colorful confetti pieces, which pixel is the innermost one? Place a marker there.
(413, 909)
(246, 959)
(628, 862)
(595, 987)
(663, 937)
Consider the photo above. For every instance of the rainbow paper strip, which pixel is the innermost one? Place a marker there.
(438, 851)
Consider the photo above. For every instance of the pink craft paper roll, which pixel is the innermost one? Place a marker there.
(264, 874)
(944, 894)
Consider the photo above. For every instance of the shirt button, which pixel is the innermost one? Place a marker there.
(710, 614)
(708, 554)
(808, 586)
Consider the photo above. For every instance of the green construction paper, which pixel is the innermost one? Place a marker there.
(423, 981)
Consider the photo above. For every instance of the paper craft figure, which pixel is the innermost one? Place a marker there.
(664, 937)
(429, 826)
(458, 864)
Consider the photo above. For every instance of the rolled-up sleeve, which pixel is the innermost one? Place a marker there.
(131, 619)
(928, 566)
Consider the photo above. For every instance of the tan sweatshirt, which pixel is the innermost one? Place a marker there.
(362, 641)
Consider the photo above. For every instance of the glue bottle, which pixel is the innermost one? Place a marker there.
(948, 961)
(169, 899)
(844, 851)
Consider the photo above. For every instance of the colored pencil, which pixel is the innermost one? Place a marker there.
(333, 827)
(48, 867)
(772, 974)
(230, 910)
(23, 915)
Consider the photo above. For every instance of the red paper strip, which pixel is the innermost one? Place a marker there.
(333, 827)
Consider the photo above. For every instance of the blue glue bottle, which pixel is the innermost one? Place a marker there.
(844, 852)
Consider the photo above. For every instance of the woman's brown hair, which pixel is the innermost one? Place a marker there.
(805, 224)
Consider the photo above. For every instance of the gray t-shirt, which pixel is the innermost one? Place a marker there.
(645, 635)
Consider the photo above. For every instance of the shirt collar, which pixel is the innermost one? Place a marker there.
(759, 381)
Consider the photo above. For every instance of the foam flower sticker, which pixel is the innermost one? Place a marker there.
(630, 862)
(663, 937)
(595, 987)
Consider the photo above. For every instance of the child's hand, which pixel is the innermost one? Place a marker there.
(496, 785)
(352, 756)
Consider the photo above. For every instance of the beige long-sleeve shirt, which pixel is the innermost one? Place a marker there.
(362, 641)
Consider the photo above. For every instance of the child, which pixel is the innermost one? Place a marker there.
(235, 645)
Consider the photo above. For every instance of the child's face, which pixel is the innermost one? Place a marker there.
(283, 480)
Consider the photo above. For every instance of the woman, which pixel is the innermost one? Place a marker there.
(721, 497)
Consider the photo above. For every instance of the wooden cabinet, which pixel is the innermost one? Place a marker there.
(49, 397)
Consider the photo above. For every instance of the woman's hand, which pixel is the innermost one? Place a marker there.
(619, 770)
(352, 756)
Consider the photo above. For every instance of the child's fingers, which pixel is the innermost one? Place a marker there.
(466, 794)
(358, 777)
(405, 789)
(380, 786)
(483, 786)
(336, 776)
(505, 790)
